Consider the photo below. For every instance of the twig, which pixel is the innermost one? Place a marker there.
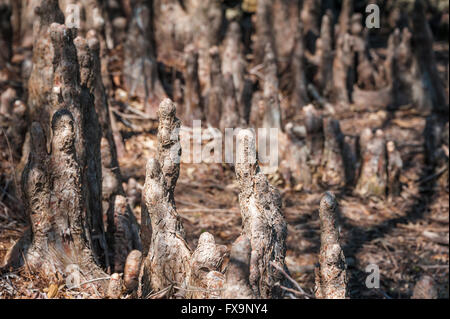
(129, 116)
(190, 288)
(89, 281)
(431, 177)
(295, 292)
(436, 238)
(139, 113)
(290, 279)
(433, 266)
(159, 294)
(26, 264)
(206, 210)
(10, 228)
(205, 185)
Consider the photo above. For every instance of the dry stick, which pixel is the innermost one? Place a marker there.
(206, 210)
(9, 228)
(129, 116)
(433, 266)
(26, 263)
(89, 281)
(159, 294)
(290, 279)
(192, 288)
(295, 292)
(137, 112)
(431, 177)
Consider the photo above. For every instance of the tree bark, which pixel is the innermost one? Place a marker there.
(373, 176)
(168, 261)
(52, 186)
(140, 66)
(262, 219)
(331, 272)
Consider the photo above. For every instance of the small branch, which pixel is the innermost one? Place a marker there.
(295, 283)
(89, 281)
(431, 177)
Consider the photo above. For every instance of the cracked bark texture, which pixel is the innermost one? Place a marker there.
(62, 81)
(262, 220)
(122, 227)
(52, 186)
(168, 261)
(41, 81)
(92, 135)
(206, 263)
(237, 285)
(331, 272)
(53, 86)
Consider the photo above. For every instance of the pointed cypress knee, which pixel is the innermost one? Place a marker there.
(262, 219)
(331, 272)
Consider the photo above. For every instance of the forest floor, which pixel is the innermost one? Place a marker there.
(391, 234)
